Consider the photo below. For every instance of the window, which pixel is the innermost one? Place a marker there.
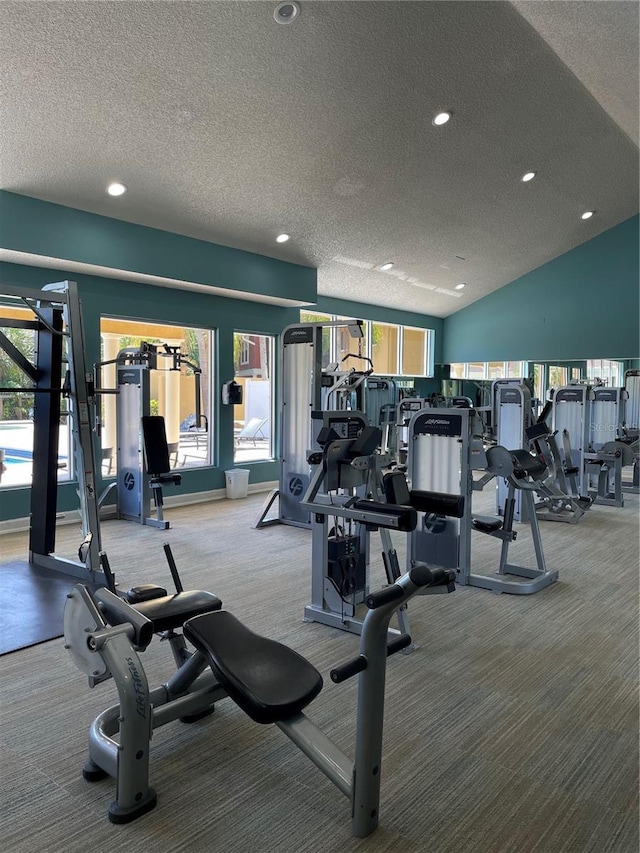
(384, 349)
(17, 407)
(576, 373)
(539, 384)
(413, 351)
(558, 376)
(476, 370)
(393, 350)
(253, 418)
(172, 392)
(609, 372)
(458, 371)
(515, 369)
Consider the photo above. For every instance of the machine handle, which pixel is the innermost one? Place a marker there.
(347, 670)
(422, 575)
(398, 643)
(385, 596)
(359, 664)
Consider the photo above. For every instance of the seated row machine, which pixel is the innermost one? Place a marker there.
(269, 681)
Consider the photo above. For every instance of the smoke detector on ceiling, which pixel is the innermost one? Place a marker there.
(286, 13)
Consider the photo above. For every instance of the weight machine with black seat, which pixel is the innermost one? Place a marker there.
(269, 681)
(445, 448)
(143, 460)
(347, 487)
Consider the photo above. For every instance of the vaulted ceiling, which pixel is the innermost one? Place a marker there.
(230, 127)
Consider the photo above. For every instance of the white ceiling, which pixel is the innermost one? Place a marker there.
(228, 127)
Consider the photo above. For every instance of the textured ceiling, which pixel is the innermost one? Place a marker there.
(229, 127)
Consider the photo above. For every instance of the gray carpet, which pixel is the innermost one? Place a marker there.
(512, 729)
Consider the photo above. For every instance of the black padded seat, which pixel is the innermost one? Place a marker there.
(268, 680)
(486, 523)
(171, 611)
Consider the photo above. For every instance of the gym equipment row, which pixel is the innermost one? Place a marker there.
(106, 633)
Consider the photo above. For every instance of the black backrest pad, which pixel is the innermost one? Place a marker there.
(396, 489)
(367, 442)
(155, 444)
(268, 680)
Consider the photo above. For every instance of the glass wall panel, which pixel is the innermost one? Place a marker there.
(458, 371)
(253, 418)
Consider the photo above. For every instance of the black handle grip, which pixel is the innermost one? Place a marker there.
(352, 667)
(422, 575)
(384, 596)
(398, 643)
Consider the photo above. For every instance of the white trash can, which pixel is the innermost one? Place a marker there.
(237, 480)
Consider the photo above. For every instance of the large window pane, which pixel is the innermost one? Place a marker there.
(414, 352)
(173, 392)
(515, 369)
(384, 349)
(17, 407)
(496, 370)
(253, 418)
(457, 371)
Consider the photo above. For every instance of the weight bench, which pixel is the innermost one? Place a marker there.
(269, 681)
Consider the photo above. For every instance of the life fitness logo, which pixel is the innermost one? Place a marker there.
(295, 486)
(129, 481)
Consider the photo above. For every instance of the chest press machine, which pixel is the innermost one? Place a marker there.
(269, 681)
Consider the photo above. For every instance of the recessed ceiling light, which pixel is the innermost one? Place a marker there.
(116, 189)
(587, 214)
(386, 266)
(461, 285)
(441, 118)
(528, 176)
(286, 13)
(282, 238)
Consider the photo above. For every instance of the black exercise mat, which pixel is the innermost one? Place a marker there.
(31, 605)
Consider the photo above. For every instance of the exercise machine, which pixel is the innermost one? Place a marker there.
(445, 448)
(309, 392)
(346, 502)
(143, 458)
(58, 372)
(606, 454)
(272, 683)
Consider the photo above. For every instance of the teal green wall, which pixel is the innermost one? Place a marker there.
(51, 230)
(584, 304)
